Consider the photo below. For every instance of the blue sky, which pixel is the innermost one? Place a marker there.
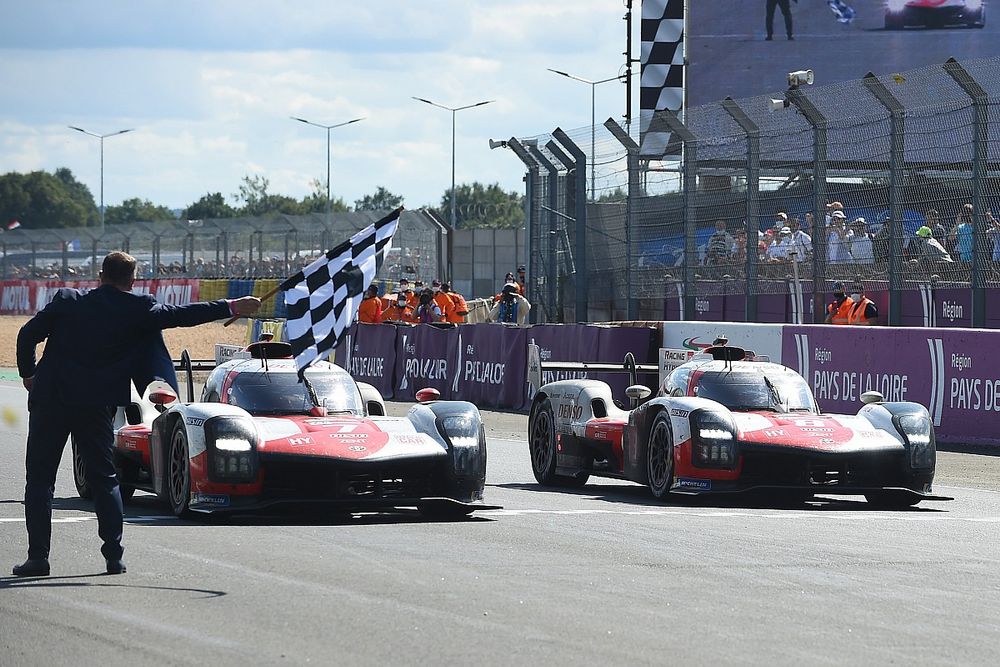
(209, 87)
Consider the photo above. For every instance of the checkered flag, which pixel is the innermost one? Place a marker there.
(323, 298)
(661, 84)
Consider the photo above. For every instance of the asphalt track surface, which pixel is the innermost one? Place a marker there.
(603, 575)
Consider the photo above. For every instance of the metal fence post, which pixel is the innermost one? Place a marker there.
(752, 223)
(553, 202)
(582, 273)
(980, 102)
(569, 198)
(530, 223)
(668, 121)
(897, 131)
(632, 148)
(818, 123)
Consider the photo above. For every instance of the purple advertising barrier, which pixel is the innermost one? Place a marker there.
(564, 342)
(734, 308)
(491, 368)
(954, 372)
(426, 356)
(772, 308)
(708, 308)
(371, 356)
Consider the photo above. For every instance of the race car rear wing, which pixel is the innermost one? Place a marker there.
(536, 367)
(188, 366)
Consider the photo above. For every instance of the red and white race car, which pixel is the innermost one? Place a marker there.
(722, 423)
(934, 13)
(260, 437)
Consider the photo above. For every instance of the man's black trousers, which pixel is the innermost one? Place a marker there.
(786, 11)
(49, 426)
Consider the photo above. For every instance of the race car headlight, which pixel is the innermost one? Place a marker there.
(231, 452)
(713, 440)
(919, 434)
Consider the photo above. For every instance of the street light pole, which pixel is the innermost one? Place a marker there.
(329, 199)
(593, 120)
(453, 111)
(101, 137)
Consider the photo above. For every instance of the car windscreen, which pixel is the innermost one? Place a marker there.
(259, 392)
(756, 391)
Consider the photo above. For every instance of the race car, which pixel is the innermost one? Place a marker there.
(260, 437)
(727, 421)
(934, 13)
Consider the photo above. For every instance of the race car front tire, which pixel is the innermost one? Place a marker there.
(179, 471)
(542, 448)
(660, 457)
(80, 478)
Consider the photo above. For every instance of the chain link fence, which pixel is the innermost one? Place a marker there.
(262, 247)
(885, 181)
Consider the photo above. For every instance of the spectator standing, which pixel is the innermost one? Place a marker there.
(838, 239)
(443, 301)
(400, 311)
(863, 310)
(428, 311)
(861, 249)
(962, 233)
(512, 308)
(459, 308)
(522, 285)
(778, 251)
(370, 310)
(720, 245)
(933, 220)
(800, 240)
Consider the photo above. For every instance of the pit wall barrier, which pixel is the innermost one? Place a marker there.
(954, 372)
(485, 364)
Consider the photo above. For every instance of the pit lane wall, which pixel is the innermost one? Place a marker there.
(954, 372)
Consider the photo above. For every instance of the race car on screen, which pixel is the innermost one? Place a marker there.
(260, 437)
(934, 13)
(724, 423)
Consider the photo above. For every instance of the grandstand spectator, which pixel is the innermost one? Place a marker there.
(801, 240)
(720, 245)
(459, 308)
(739, 250)
(428, 311)
(993, 231)
(838, 311)
(933, 220)
(925, 249)
(370, 310)
(778, 251)
(861, 249)
(838, 238)
(961, 234)
(832, 208)
(863, 311)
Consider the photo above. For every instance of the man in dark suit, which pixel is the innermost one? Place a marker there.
(97, 342)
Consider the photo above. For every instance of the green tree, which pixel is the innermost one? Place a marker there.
(315, 201)
(211, 206)
(479, 205)
(253, 196)
(136, 210)
(40, 199)
(380, 200)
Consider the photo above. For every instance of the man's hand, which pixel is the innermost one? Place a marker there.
(27, 382)
(247, 305)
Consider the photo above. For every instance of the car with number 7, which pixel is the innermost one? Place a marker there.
(727, 421)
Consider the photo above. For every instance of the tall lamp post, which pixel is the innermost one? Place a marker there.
(593, 119)
(453, 110)
(327, 128)
(102, 137)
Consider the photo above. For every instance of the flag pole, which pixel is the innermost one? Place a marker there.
(263, 298)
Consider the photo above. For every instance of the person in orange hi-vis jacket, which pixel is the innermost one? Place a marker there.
(400, 311)
(443, 301)
(370, 311)
(460, 309)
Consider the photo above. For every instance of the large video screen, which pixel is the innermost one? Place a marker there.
(741, 48)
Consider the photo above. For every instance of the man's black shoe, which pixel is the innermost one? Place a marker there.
(33, 567)
(116, 566)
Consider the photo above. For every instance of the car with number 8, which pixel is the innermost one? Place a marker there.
(727, 421)
(261, 437)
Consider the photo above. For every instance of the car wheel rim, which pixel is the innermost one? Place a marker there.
(659, 461)
(178, 469)
(79, 468)
(540, 441)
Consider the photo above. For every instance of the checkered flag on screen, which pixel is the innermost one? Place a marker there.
(323, 298)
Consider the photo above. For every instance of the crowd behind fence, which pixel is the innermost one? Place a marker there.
(264, 247)
(888, 181)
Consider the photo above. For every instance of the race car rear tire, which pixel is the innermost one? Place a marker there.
(542, 448)
(660, 457)
(80, 473)
(892, 500)
(179, 471)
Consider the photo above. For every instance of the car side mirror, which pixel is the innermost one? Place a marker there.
(637, 392)
(872, 397)
(160, 397)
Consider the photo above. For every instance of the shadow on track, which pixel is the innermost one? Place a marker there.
(634, 494)
(72, 581)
